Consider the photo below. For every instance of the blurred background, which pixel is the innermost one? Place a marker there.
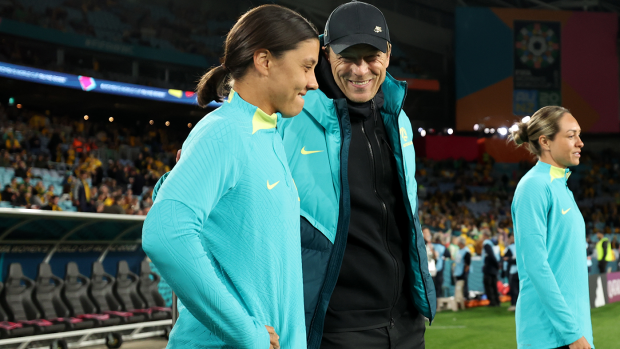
(97, 96)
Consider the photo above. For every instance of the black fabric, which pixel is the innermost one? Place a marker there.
(406, 332)
(490, 288)
(438, 281)
(602, 267)
(491, 265)
(605, 243)
(513, 282)
(370, 287)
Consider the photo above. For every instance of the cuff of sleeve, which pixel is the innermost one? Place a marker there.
(569, 339)
(262, 340)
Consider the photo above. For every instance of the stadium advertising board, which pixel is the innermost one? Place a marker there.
(613, 287)
(598, 292)
(512, 62)
(89, 84)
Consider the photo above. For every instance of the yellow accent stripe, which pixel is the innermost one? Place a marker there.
(230, 96)
(407, 144)
(263, 121)
(556, 173)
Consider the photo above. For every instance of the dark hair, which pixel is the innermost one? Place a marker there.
(544, 122)
(271, 27)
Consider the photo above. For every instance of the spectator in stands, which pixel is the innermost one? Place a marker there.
(442, 253)
(603, 252)
(21, 170)
(7, 193)
(431, 254)
(510, 257)
(81, 192)
(116, 206)
(490, 270)
(52, 205)
(461, 272)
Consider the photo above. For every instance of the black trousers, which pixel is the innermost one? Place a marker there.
(513, 282)
(602, 267)
(407, 332)
(438, 282)
(490, 288)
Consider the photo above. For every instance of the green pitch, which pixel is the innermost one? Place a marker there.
(494, 328)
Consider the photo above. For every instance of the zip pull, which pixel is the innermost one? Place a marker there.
(392, 324)
(372, 107)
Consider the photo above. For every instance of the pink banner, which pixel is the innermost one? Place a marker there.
(613, 287)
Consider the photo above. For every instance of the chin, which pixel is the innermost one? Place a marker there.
(293, 109)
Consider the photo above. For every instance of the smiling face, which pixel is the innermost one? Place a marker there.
(291, 76)
(565, 148)
(359, 71)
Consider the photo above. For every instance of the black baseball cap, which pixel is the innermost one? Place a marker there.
(355, 23)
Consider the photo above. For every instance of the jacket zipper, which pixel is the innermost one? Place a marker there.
(383, 205)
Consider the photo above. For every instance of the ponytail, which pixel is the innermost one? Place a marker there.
(213, 86)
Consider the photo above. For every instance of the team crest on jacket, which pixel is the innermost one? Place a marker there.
(403, 134)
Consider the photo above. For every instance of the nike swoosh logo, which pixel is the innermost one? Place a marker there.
(271, 186)
(565, 212)
(306, 152)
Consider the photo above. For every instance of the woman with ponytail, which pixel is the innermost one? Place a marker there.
(553, 309)
(224, 227)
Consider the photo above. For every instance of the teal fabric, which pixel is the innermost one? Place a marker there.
(460, 261)
(553, 308)
(312, 141)
(224, 233)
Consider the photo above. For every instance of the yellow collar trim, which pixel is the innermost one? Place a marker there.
(557, 173)
(263, 121)
(230, 96)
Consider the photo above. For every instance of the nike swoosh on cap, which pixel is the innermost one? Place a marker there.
(306, 152)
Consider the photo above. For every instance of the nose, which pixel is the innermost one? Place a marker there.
(360, 68)
(579, 142)
(312, 83)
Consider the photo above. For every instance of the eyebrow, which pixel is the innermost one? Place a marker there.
(573, 130)
(310, 60)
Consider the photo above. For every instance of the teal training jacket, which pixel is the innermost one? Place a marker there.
(224, 233)
(317, 146)
(553, 309)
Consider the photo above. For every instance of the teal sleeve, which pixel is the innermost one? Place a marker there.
(531, 211)
(210, 165)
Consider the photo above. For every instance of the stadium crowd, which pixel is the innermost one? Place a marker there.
(55, 162)
(66, 163)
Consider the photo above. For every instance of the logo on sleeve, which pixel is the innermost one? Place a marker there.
(565, 212)
(306, 152)
(403, 135)
(271, 186)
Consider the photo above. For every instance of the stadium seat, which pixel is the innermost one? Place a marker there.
(101, 294)
(126, 291)
(17, 300)
(149, 290)
(11, 329)
(47, 297)
(75, 295)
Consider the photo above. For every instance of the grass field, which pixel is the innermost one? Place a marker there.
(494, 328)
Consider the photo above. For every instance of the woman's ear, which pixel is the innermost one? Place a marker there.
(262, 59)
(544, 142)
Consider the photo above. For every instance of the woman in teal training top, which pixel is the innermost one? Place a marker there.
(224, 227)
(553, 309)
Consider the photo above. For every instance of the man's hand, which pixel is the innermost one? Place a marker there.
(178, 155)
(273, 337)
(581, 343)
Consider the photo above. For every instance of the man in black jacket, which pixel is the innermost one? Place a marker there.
(369, 307)
(490, 270)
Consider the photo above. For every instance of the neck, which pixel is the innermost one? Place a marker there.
(548, 159)
(258, 97)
